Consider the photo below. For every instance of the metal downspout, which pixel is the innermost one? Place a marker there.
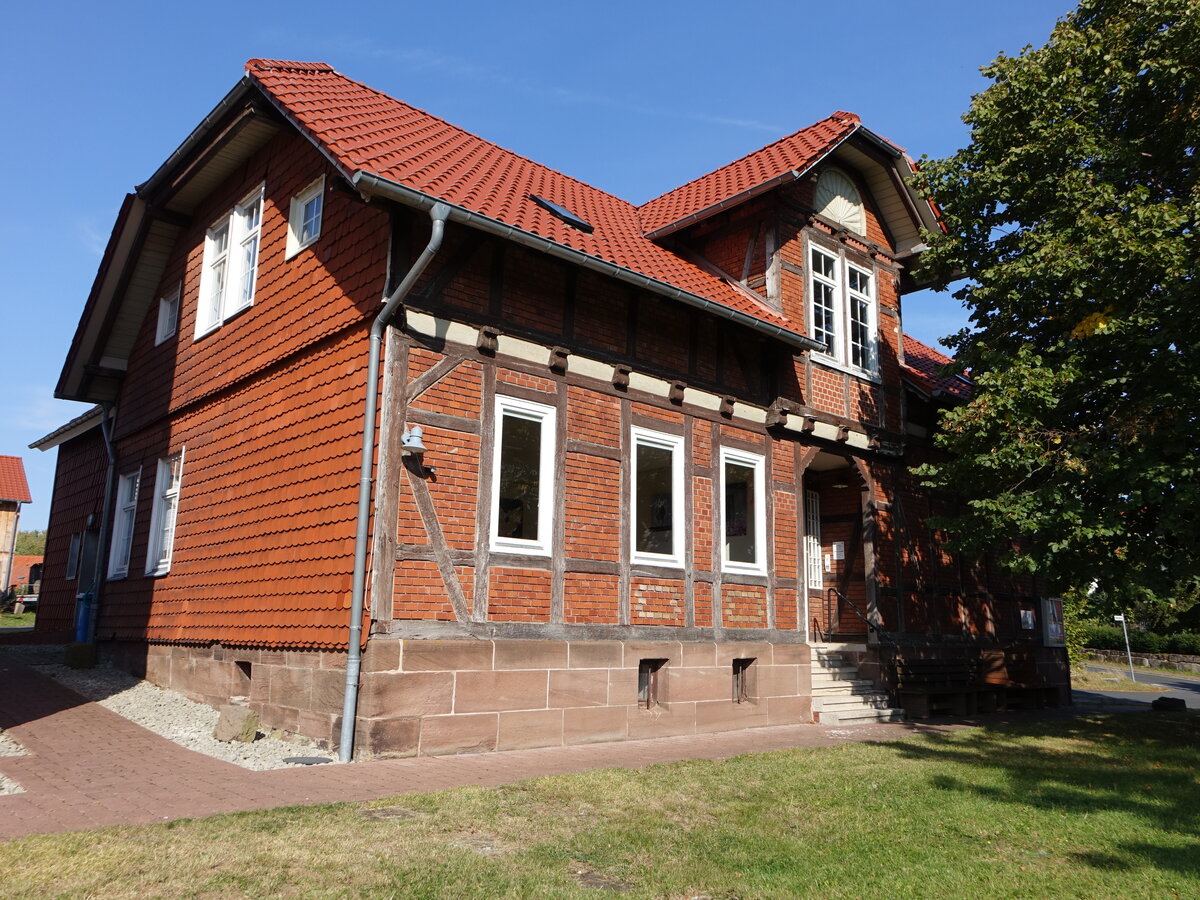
(438, 213)
(106, 419)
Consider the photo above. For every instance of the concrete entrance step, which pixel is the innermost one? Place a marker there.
(839, 695)
(861, 716)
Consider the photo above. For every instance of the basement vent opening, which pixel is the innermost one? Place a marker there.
(561, 212)
(649, 682)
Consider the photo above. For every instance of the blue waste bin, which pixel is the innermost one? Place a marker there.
(83, 616)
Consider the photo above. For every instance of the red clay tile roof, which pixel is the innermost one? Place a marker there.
(364, 130)
(923, 367)
(795, 152)
(13, 485)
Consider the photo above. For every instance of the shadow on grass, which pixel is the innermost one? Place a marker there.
(1144, 765)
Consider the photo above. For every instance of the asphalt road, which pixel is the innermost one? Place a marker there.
(1173, 684)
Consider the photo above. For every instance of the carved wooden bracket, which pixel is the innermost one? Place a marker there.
(675, 395)
(489, 340)
(727, 406)
(620, 378)
(777, 412)
(558, 360)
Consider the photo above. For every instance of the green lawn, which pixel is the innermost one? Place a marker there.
(25, 620)
(1103, 806)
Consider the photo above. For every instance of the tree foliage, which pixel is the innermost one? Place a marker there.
(31, 543)
(1073, 215)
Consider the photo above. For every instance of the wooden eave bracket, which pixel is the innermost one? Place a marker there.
(558, 360)
(778, 412)
(620, 378)
(488, 341)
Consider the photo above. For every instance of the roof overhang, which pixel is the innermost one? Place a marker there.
(73, 429)
(147, 228)
(370, 184)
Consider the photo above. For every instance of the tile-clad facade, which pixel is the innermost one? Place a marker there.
(75, 512)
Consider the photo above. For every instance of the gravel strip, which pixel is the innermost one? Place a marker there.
(9, 747)
(167, 713)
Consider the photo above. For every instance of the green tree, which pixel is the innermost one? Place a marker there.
(31, 543)
(1073, 214)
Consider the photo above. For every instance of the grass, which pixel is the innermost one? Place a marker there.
(1083, 680)
(1087, 807)
(25, 620)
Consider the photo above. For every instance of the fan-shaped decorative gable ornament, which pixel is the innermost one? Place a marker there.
(838, 199)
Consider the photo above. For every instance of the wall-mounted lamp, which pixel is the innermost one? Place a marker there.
(413, 448)
(411, 443)
(841, 482)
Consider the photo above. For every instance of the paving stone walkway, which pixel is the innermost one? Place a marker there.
(88, 767)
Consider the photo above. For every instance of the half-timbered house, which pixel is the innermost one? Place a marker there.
(625, 467)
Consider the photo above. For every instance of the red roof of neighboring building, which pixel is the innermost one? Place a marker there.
(13, 485)
(364, 130)
(923, 367)
(789, 154)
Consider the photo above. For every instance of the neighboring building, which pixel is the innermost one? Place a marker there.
(26, 572)
(668, 446)
(14, 490)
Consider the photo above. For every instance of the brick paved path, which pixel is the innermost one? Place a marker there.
(88, 767)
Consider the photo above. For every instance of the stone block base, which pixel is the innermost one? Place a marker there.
(431, 697)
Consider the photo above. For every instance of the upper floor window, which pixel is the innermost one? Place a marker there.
(837, 199)
(842, 309)
(304, 220)
(168, 316)
(743, 512)
(523, 477)
(230, 266)
(657, 498)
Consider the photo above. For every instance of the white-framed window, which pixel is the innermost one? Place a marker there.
(743, 512)
(523, 477)
(230, 266)
(167, 481)
(168, 316)
(656, 498)
(842, 309)
(304, 219)
(73, 556)
(1052, 619)
(814, 575)
(122, 534)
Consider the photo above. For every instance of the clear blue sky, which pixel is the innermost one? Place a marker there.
(634, 98)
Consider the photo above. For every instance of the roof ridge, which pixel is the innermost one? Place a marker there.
(838, 116)
(322, 68)
(288, 65)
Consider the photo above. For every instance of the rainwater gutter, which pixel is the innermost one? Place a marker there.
(373, 184)
(439, 212)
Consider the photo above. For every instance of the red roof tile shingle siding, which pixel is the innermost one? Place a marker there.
(923, 366)
(795, 152)
(13, 485)
(366, 131)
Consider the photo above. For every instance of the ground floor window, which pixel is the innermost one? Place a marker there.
(523, 477)
(167, 482)
(743, 512)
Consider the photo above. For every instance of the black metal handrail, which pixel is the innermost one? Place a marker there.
(832, 599)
